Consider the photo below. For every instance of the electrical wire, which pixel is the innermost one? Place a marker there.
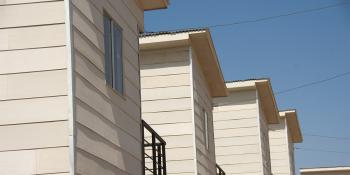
(329, 137)
(321, 150)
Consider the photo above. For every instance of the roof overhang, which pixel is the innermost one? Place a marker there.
(266, 96)
(201, 42)
(293, 124)
(153, 4)
(325, 170)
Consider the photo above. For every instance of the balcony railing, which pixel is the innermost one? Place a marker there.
(153, 149)
(219, 171)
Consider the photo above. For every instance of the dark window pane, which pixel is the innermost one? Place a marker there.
(117, 58)
(108, 50)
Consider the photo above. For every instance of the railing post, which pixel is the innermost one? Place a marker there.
(143, 148)
(164, 158)
(154, 156)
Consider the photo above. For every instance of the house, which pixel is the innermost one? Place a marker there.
(325, 171)
(180, 75)
(283, 136)
(65, 108)
(241, 123)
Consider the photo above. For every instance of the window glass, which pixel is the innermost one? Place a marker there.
(113, 40)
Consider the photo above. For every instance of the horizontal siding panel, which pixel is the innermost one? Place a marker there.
(166, 93)
(165, 69)
(178, 141)
(235, 115)
(166, 105)
(103, 129)
(33, 60)
(94, 55)
(238, 132)
(90, 164)
(238, 107)
(34, 110)
(30, 136)
(179, 153)
(117, 119)
(255, 168)
(32, 37)
(12, 2)
(18, 162)
(165, 81)
(238, 159)
(239, 149)
(97, 78)
(156, 58)
(173, 129)
(52, 160)
(229, 124)
(90, 95)
(103, 149)
(184, 166)
(30, 85)
(168, 117)
(237, 141)
(32, 14)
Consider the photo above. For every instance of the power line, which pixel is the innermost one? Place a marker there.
(313, 83)
(279, 16)
(330, 137)
(321, 150)
(298, 87)
(271, 17)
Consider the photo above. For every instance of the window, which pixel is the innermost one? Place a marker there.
(113, 54)
(206, 134)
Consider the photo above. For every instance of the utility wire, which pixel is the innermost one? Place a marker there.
(321, 150)
(313, 83)
(269, 17)
(279, 16)
(330, 137)
(297, 87)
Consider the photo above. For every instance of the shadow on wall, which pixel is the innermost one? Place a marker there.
(108, 137)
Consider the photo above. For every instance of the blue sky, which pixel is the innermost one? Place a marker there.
(291, 51)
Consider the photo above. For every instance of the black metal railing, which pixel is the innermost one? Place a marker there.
(153, 149)
(219, 171)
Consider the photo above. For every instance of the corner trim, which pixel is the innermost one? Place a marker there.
(71, 84)
(193, 112)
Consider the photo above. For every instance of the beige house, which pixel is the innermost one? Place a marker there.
(65, 109)
(241, 127)
(180, 75)
(283, 136)
(326, 171)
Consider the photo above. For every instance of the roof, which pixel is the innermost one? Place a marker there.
(325, 169)
(202, 44)
(293, 124)
(173, 32)
(266, 95)
(154, 4)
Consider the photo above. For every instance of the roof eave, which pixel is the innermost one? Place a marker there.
(205, 50)
(154, 4)
(268, 101)
(294, 126)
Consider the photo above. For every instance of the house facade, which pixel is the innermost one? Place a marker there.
(180, 75)
(241, 126)
(65, 108)
(283, 136)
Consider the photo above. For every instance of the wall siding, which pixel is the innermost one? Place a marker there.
(203, 101)
(108, 139)
(33, 88)
(264, 138)
(236, 127)
(166, 104)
